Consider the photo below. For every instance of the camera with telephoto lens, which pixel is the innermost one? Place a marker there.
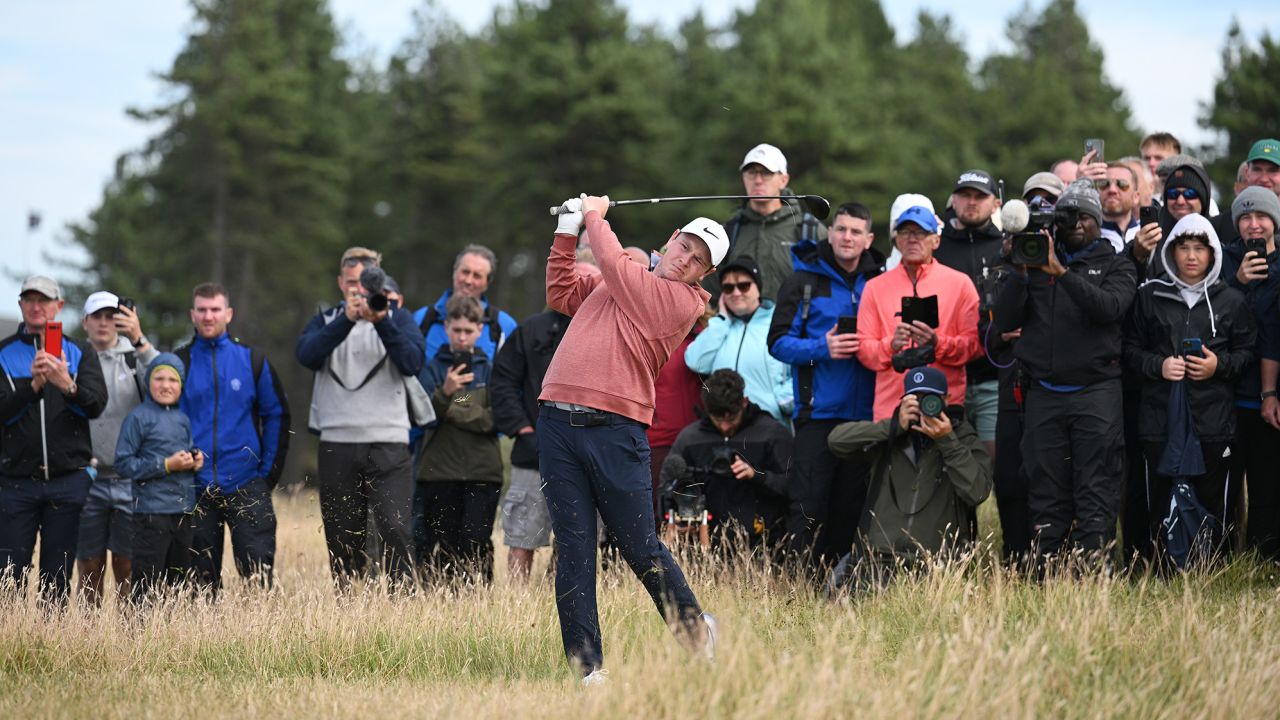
(374, 280)
(914, 357)
(931, 404)
(722, 459)
(1031, 247)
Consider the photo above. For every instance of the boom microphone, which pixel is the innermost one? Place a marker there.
(673, 468)
(1014, 216)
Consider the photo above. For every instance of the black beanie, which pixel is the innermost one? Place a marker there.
(1185, 176)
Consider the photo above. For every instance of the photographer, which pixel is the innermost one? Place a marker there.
(1191, 328)
(737, 458)
(884, 335)
(1071, 311)
(362, 357)
(929, 473)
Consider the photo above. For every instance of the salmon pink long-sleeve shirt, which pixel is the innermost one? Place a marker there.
(957, 331)
(626, 323)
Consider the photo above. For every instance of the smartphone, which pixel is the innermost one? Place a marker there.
(53, 338)
(924, 309)
(1148, 214)
(462, 359)
(1096, 144)
(846, 325)
(1192, 346)
(1258, 245)
(126, 303)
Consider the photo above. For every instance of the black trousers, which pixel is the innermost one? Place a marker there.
(1009, 480)
(1073, 455)
(1256, 460)
(161, 553)
(825, 495)
(1138, 504)
(357, 477)
(249, 514)
(1212, 488)
(50, 509)
(456, 529)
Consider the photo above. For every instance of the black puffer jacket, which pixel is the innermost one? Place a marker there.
(1072, 325)
(517, 381)
(976, 252)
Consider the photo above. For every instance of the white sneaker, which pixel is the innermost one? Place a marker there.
(596, 678)
(713, 629)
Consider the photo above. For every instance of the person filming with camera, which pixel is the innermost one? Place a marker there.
(1071, 310)
(736, 459)
(919, 313)
(929, 473)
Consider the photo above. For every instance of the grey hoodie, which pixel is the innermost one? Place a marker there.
(125, 391)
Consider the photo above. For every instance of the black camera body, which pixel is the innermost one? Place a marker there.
(374, 280)
(914, 357)
(722, 459)
(1030, 247)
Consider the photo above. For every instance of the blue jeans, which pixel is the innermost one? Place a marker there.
(52, 509)
(606, 468)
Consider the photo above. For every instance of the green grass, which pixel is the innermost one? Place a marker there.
(968, 641)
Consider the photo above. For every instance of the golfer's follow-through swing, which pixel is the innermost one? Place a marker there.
(597, 398)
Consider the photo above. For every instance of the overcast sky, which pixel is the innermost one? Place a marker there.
(69, 68)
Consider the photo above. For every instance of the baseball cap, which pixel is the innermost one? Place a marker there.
(42, 284)
(919, 215)
(924, 379)
(743, 264)
(767, 155)
(713, 234)
(1268, 149)
(99, 300)
(1046, 181)
(978, 180)
(904, 201)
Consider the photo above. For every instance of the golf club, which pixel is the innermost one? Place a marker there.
(815, 204)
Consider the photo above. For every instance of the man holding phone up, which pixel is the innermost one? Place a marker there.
(46, 402)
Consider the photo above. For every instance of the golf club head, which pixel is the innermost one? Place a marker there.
(816, 205)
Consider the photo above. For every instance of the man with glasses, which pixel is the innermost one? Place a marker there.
(766, 229)
(738, 338)
(1119, 192)
(362, 358)
(46, 403)
(829, 385)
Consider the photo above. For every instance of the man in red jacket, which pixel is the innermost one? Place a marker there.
(597, 398)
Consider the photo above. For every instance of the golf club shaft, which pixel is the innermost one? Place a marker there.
(558, 210)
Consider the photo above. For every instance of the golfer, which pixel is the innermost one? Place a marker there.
(597, 399)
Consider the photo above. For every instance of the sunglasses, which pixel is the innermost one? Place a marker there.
(742, 287)
(1186, 193)
(1101, 185)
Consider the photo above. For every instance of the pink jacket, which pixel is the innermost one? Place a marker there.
(957, 328)
(626, 323)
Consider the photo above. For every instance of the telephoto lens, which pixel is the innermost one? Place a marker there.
(931, 404)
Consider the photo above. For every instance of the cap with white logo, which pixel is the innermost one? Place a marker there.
(713, 234)
(767, 155)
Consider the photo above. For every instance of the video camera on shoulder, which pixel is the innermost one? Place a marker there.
(1029, 245)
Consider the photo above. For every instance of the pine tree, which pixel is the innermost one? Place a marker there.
(1245, 106)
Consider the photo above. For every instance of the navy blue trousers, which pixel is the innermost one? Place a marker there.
(51, 509)
(604, 468)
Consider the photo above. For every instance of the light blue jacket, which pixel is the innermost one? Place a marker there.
(743, 346)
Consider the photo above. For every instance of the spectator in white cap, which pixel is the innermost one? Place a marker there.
(46, 402)
(106, 522)
(766, 229)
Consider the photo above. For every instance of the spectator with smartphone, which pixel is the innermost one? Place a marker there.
(473, 270)
(737, 337)
(1186, 191)
(829, 385)
(155, 451)
(106, 523)
(929, 473)
(461, 466)
(1191, 328)
(1261, 169)
(1070, 312)
(1119, 192)
(362, 359)
(46, 402)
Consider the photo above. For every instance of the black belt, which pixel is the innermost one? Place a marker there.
(582, 418)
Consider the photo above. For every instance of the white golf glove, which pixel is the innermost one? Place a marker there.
(570, 223)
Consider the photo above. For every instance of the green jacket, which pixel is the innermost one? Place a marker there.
(922, 506)
(768, 240)
(463, 446)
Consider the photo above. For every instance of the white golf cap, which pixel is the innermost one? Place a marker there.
(767, 155)
(99, 300)
(713, 234)
(906, 201)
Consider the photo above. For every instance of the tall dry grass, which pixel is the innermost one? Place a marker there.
(969, 641)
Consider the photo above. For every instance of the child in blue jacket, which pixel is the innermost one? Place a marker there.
(155, 451)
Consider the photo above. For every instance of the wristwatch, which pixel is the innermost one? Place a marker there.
(71, 389)
(1268, 394)
(142, 341)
